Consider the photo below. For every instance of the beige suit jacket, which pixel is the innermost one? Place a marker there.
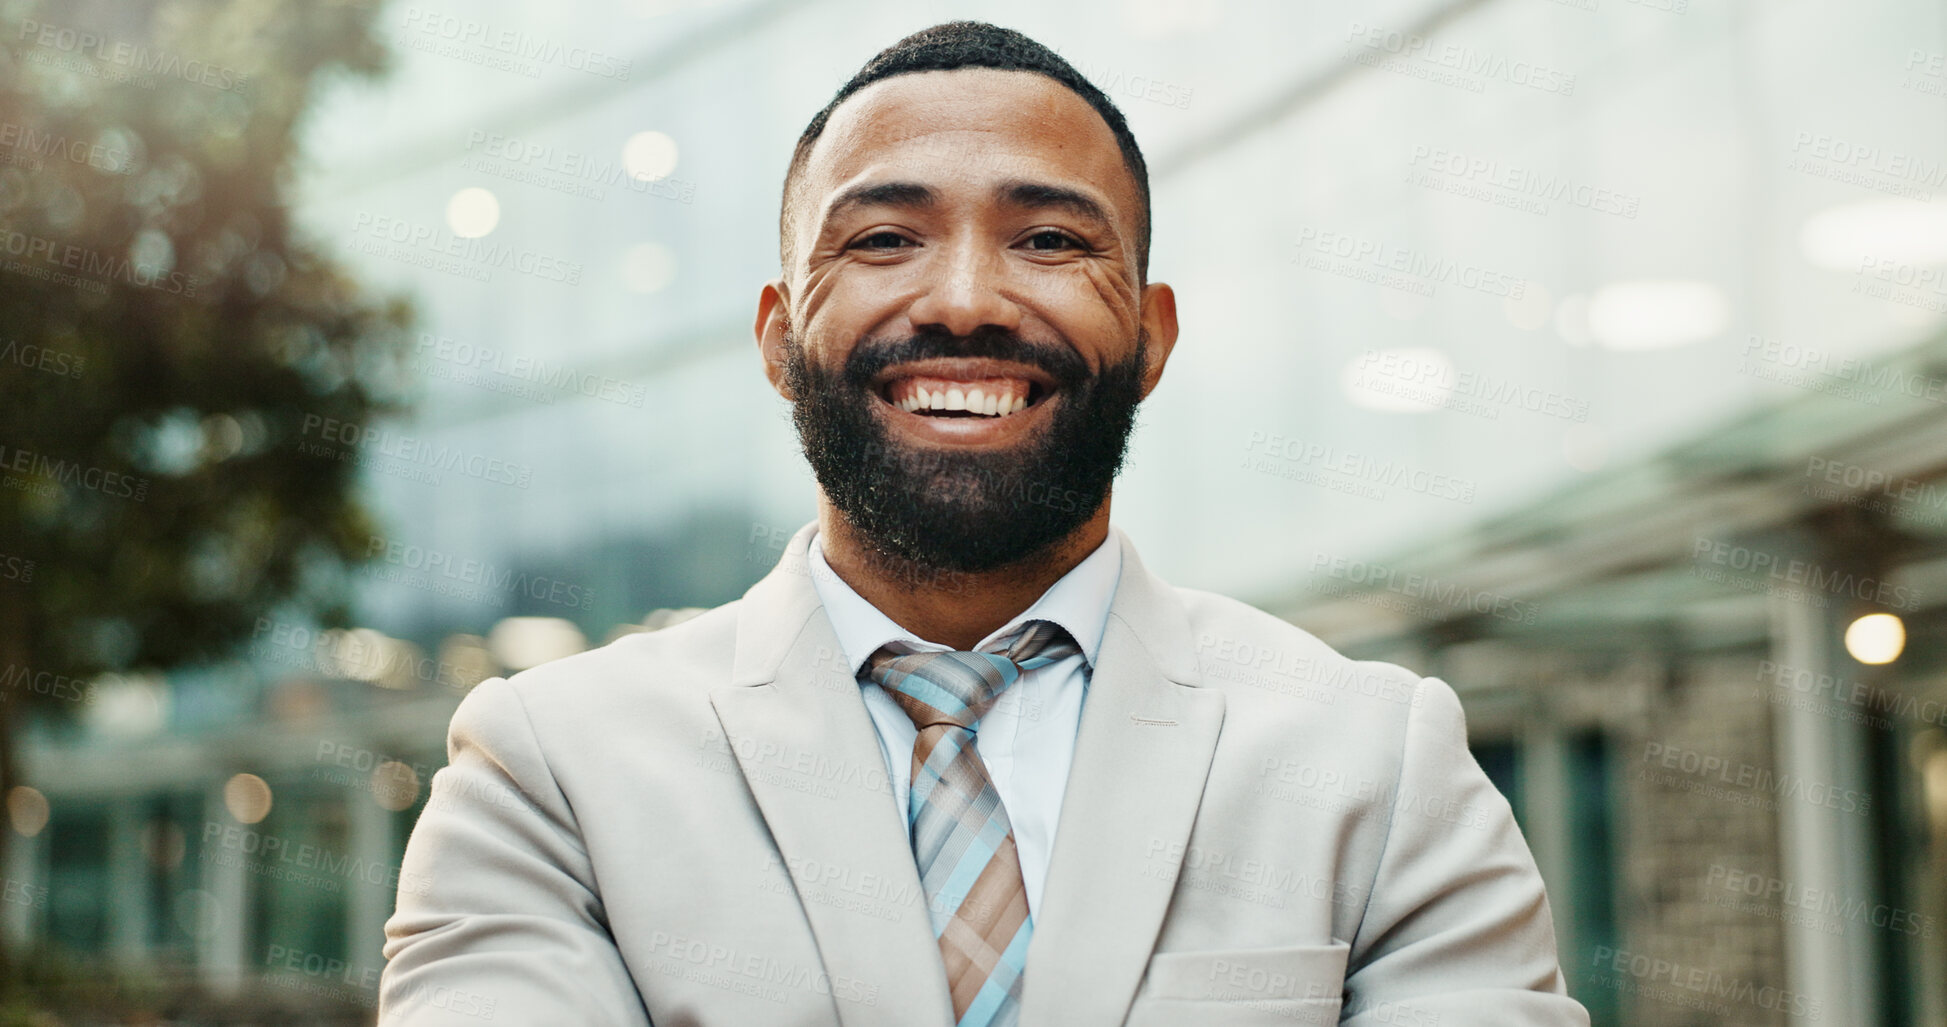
(693, 827)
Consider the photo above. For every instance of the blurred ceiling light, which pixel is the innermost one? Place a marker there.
(1531, 309)
(1876, 638)
(247, 797)
(1398, 381)
(465, 661)
(27, 810)
(1652, 315)
(394, 785)
(361, 654)
(128, 705)
(523, 642)
(648, 267)
(1842, 238)
(1572, 319)
(472, 212)
(649, 155)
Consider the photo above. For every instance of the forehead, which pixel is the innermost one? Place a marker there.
(972, 124)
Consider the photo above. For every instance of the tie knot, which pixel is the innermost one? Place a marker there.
(960, 686)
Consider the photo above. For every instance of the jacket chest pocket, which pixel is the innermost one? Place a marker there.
(1297, 984)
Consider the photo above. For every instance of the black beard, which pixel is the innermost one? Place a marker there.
(920, 510)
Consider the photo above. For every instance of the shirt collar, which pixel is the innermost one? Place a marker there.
(1079, 602)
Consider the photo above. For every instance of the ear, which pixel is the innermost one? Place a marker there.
(1159, 320)
(773, 314)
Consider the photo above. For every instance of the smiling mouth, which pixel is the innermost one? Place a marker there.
(933, 396)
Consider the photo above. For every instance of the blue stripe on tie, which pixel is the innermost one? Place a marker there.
(921, 789)
(921, 687)
(1008, 669)
(994, 991)
(979, 851)
(967, 871)
(919, 794)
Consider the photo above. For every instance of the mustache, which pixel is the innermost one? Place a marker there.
(869, 359)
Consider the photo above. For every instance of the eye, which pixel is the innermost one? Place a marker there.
(1061, 240)
(879, 241)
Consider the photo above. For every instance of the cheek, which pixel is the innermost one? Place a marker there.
(1094, 310)
(841, 309)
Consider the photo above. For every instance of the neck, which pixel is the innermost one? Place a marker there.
(955, 608)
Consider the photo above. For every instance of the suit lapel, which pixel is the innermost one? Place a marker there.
(1143, 750)
(795, 720)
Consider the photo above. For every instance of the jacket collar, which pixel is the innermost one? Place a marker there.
(1142, 753)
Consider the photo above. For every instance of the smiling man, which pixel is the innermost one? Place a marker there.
(961, 759)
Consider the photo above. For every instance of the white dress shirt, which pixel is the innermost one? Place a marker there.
(1027, 739)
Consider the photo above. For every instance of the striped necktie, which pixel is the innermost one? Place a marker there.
(962, 841)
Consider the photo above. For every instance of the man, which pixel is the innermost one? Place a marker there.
(960, 759)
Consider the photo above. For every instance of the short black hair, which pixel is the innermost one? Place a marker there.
(974, 44)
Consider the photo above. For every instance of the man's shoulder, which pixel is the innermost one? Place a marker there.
(1248, 651)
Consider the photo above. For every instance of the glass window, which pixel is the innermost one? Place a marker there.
(304, 883)
(1501, 758)
(1591, 888)
(77, 892)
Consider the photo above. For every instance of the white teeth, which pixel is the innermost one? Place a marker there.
(978, 400)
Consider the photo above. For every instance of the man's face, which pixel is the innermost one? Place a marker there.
(966, 240)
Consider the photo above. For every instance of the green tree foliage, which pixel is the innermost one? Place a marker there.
(165, 332)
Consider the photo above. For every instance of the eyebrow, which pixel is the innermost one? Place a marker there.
(1014, 193)
(1042, 196)
(911, 195)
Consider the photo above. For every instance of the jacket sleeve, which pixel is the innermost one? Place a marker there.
(1456, 930)
(498, 917)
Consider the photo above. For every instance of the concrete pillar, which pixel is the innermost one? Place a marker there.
(21, 922)
(223, 926)
(367, 905)
(128, 882)
(1828, 849)
(1544, 760)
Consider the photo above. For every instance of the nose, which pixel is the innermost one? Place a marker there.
(966, 292)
